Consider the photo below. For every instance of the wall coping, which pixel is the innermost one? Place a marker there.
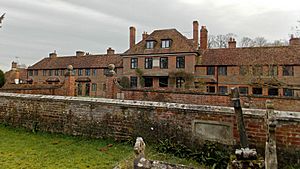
(260, 113)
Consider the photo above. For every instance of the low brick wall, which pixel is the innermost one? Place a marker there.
(45, 89)
(194, 97)
(127, 119)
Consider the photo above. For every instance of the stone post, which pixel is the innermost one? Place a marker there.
(111, 87)
(270, 152)
(69, 84)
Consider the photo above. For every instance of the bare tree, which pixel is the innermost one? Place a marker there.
(1, 18)
(219, 41)
(281, 42)
(247, 42)
(260, 42)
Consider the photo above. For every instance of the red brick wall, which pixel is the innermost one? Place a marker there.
(193, 97)
(125, 119)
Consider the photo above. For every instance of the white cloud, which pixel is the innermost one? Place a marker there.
(33, 28)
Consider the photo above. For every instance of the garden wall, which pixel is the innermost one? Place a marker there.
(126, 119)
(194, 97)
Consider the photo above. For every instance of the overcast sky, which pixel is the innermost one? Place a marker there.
(34, 28)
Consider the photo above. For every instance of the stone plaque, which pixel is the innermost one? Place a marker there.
(213, 131)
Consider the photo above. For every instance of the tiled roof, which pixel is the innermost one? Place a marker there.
(11, 75)
(86, 61)
(281, 55)
(179, 43)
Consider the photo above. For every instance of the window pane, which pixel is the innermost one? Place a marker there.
(273, 91)
(87, 72)
(163, 82)
(148, 81)
(179, 82)
(210, 70)
(164, 63)
(148, 63)
(288, 92)
(94, 73)
(150, 44)
(288, 70)
(222, 70)
(44, 72)
(94, 87)
(165, 43)
(243, 90)
(79, 72)
(133, 82)
(211, 89)
(180, 63)
(223, 89)
(257, 91)
(134, 63)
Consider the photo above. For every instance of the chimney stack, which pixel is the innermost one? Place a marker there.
(14, 66)
(231, 43)
(80, 53)
(132, 32)
(110, 51)
(203, 38)
(294, 41)
(53, 55)
(196, 33)
(145, 35)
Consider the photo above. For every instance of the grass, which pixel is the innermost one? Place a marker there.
(23, 149)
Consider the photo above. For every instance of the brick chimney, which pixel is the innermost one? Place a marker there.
(196, 33)
(232, 43)
(203, 38)
(80, 53)
(110, 51)
(145, 35)
(14, 66)
(132, 32)
(294, 41)
(53, 54)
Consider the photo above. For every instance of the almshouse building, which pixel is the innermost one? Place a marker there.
(89, 71)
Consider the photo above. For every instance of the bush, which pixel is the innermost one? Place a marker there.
(210, 154)
(2, 78)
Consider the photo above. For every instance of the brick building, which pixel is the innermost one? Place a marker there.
(166, 59)
(89, 71)
(268, 71)
(17, 74)
(161, 59)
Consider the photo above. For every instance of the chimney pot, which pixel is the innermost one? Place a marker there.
(53, 54)
(145, 35)
(196, 33)
(231, 43)
(14, 66)
(294, 41)
(80, 53)
(132, 32)
(110, 51)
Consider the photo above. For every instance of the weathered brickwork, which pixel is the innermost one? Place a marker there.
(127, 119)
(195, 97)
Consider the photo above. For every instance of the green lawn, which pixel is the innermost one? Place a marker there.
(23, 149)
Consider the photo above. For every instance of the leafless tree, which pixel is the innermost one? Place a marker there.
(1, 19)
(260, 41)
(247, 42)
(219, 41)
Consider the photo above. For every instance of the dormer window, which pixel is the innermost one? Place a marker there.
(150, 44)
(166, 43)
